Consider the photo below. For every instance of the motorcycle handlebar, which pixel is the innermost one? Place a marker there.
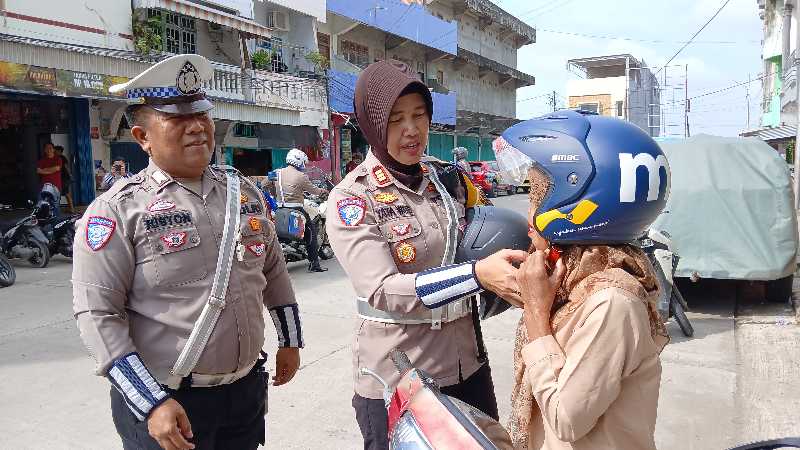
(400, 360)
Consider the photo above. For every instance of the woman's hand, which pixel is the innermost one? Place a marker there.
(538, 289)
(497, 273)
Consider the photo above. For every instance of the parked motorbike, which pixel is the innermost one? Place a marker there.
(7, 273)
(60, 230)
(422, 417)
(656, 245)
(24, 239)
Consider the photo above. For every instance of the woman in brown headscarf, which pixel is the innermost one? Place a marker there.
(587, 369)
(394, 223)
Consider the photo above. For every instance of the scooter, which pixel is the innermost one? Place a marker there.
(422, 417)
(7, 273)
(60, 230)
(24, 239)
(656, 245)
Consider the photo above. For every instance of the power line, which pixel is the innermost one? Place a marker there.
(695, 35)
(652, 41)
(552, 8)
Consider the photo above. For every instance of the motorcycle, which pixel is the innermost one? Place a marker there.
(422, 417)
(60, 230)
(7, 273)
(656, 245)
(25, 239)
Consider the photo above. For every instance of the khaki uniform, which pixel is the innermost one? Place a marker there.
(402, 232)
(292, 185)
(142, 288)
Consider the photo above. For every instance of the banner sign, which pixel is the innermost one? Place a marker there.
(66, 83)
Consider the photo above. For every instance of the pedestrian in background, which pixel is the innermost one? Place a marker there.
(174, 269)
(49, 170)
(119, 171)
(66, 177)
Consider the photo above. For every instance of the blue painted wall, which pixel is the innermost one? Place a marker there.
(343, 86)
(412, 21)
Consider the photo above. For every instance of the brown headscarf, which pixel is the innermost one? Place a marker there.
(378, 88)
(586, 268)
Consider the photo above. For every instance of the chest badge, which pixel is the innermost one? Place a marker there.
(257, 248)
(243, 198)
(402, 229)
(431, 187)
(406, 253)
(386, 198)
(381, 176)
(159, 177)
(99, 231)
(351, 210)
(161, 205)
(175, 239)
(255, 224)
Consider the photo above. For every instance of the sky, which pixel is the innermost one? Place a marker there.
(653, 31)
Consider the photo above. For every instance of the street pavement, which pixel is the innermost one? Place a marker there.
(734, 381)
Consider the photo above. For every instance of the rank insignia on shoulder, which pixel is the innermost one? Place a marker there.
(255, 224)
(243, 198)
(351, 210)
(406, 253)
(386, 198)
(159, 177)
(257, 248)
(175, 239)
(161, 205)
(431, 187)
(99, 231)
(402, 229)
(381, 176)
(425, 169)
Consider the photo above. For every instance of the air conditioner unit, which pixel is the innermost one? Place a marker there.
(277, 20)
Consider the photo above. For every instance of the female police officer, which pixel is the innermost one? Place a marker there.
(394, 226)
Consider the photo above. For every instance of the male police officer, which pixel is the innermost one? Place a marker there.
(291, 186)
(172, 271)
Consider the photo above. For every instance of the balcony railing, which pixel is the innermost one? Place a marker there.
(227, 83)
(789, 88)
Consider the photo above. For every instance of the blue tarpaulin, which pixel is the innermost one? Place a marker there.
(82, 145)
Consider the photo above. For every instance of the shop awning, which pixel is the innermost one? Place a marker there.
(208, 14)
(768, 134)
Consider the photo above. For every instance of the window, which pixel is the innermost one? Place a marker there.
(354, 53)
(324, 43)
(591, 107)
(440, 77)
(180, 32)
(247, 130)
(619, 108)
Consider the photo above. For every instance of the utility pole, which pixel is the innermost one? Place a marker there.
(796, 155)
(747, 96)
(553, 101)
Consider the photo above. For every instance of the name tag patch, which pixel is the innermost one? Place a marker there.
(174, 240)
(252, 209)
(99, 231)
(351, 210)
(170, 220)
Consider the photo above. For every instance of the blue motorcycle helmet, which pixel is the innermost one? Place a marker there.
(608, 179)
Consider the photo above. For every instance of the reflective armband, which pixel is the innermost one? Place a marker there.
(287, 324)
(140, 390)
(442, 285)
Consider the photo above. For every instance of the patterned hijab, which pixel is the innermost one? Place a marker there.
(581, 262)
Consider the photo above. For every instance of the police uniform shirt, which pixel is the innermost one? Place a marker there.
(144, 262)
(293, 183)
(386, 236)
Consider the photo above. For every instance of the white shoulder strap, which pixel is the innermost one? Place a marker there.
(216, 301)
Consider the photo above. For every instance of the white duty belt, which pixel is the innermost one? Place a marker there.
(204, 326)
(437, 316)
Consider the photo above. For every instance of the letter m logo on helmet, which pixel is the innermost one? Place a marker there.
(629, 164)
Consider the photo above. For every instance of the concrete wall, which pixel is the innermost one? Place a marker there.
(484, 95)
(220, 45)
(299, 40)
(96, 23)
(608, 91)
(311, 8)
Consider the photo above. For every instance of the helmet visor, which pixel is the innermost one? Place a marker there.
(513, 165)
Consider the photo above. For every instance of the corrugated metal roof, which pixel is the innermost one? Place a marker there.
(207, 14)
(772, 133)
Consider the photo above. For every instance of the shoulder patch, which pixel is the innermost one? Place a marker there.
(99, 231)
(351, 210)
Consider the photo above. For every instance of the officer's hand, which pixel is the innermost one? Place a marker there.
(287, 361)
(169, 425)
(497, 273)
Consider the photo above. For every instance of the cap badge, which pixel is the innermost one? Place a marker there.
(188, 80)
(406, 253)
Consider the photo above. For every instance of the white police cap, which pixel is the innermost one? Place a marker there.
(173, 86)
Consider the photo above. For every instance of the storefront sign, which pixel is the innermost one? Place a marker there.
(23, 77)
